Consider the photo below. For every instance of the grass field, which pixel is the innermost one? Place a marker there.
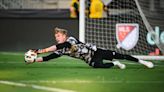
(66, 74)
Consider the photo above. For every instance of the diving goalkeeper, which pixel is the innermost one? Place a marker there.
(91, 54)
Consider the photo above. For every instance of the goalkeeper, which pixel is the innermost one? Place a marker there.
(92, 55)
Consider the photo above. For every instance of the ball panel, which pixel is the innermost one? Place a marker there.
(30, 56)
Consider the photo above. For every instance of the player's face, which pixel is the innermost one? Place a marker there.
(60, 38)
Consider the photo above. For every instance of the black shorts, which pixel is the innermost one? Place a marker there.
(102, 54)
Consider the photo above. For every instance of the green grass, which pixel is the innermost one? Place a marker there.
(73, 74)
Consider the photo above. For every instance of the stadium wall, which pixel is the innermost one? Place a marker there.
(20, 34)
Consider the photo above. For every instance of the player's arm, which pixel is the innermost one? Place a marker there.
(47, 58)
(63, 45)
(49, 49)
(53, 55)
(54, 48)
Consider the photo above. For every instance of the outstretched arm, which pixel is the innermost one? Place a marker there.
(46, 58)
(49, 49)
(54, 48)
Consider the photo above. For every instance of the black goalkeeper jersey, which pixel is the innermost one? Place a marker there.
(74, 48)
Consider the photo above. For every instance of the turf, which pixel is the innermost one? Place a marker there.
(73, 74)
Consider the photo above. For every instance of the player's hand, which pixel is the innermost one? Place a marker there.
(35, 50)
(39, 51)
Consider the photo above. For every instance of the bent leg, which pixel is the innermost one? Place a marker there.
(101, 65)
(97, 60)
(100, 55)
(108, 65)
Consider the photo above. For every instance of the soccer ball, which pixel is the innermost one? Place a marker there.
(30, 56)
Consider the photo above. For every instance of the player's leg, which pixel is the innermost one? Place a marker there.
(100, 64)
(131, 58)
(124, 56)
(110, 55)
(97, 61)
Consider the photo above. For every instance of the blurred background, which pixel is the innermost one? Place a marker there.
(26, 24)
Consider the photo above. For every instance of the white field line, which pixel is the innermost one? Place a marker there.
(11, 62)
(34, 86)
(11, 53)
(90, 82)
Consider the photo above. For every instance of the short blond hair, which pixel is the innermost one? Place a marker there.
(60, 30)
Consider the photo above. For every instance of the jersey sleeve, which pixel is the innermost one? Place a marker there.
(63, 45)
(73, 40)
(51, 56)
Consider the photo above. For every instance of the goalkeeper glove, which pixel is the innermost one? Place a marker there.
(38, 51)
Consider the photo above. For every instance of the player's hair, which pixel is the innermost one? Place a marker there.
(60, 30)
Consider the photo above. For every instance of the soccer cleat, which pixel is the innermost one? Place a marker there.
(146, 63)
(120, 65)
